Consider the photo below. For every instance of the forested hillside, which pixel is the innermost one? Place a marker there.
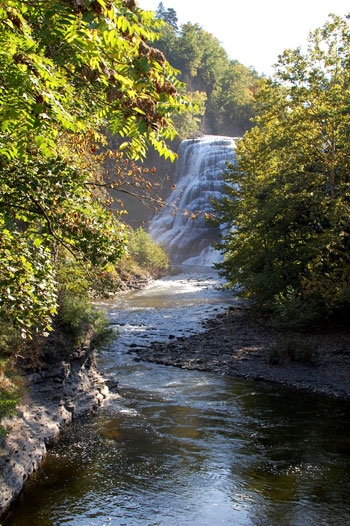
(223, 88)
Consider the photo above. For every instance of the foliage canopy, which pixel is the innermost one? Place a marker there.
(288, 196)
(69, 68)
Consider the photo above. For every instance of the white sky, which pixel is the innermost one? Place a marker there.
(255, 32)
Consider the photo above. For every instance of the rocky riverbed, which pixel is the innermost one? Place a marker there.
(237, 344)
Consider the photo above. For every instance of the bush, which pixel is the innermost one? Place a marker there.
(290, 311)
(146, 252)
(11, 341)
(103, 334)
(9, 389)
(8, 402)
(293, 348)
(76, 314)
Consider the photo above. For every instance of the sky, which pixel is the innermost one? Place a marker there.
(255, 32)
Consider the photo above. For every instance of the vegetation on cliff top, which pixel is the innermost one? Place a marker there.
(223, 88)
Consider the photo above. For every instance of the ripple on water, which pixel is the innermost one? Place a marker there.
(191, 448)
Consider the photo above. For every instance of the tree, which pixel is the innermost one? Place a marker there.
(190, 123)
(69, 69)
(288, 201)
(232, 101)
(168, 15)
(205, 67)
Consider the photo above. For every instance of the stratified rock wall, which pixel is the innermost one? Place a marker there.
(55, 395)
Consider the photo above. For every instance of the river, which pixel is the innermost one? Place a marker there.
(179, 447)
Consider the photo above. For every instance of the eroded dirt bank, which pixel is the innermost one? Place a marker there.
(236, 344)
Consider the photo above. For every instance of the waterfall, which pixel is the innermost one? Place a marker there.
(197, 179)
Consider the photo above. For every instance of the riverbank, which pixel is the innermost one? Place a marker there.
(237, 344)
(60, 384)
(63, 388)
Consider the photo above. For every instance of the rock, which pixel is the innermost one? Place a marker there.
(68, 389)
(112, 384)
(235, 343)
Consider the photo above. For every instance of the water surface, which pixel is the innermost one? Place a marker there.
(177, 447)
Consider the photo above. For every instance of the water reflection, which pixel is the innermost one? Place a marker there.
(221, 452)
(191, 448)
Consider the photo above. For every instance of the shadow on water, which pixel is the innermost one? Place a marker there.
(186, 447)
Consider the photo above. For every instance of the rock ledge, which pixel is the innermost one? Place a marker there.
(55, 395)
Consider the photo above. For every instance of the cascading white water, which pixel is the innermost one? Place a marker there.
(198, 179)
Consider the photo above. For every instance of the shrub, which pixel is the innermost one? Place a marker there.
(146, 252)
(76, 314)
(293, 348)
(9, 390)
(9, 399)
(103, 333)
(291, 311)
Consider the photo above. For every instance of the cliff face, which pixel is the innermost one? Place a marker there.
(56, 393)
(138, 203)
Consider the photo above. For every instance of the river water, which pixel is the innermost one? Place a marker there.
(178, 447)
